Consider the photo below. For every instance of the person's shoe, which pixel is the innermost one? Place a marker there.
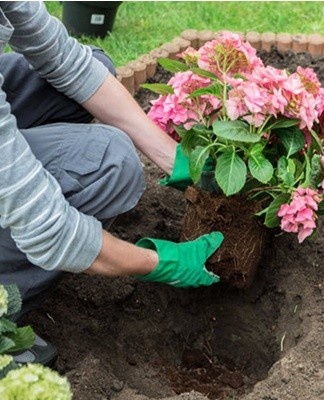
(41, 353)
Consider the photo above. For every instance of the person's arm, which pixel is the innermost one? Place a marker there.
(112, 104)
(118, 258)
(71, 69)
(157, 260)
(65, 63)
(53, 234)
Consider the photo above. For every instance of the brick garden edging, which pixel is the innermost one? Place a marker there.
(136, 72)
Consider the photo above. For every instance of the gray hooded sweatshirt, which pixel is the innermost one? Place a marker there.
(52, 234)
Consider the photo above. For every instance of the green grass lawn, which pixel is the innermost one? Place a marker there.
(141, 26)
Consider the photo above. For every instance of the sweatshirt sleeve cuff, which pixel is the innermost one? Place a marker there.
(95, 78)
(86, 246)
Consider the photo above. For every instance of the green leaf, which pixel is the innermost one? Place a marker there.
(292, 139)
(204, 73)
(198, 135)
(316, 172)
(6, 344)
(281, 123)
(14, 299)
(240, 76)
(291, 166)
(235, 130)
(260, 168)
(230, 173)
(215, 89)
(197, 162)
(316, 143)
(284, 171)
(320, 210)
(23, 338)
(299, 168)
(159, 88)
(181, 130)
(172, 65)
(271, 219)
(256, 149)
(282, 166)
(202, 130)
(7, 326)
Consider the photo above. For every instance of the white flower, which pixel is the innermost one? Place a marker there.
(5, 360)
(34, 382)
(3, 301)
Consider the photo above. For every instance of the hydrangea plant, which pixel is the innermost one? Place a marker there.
(6, 364)
(31, 381)
(3, 301)
(258, 127)
(12, 337)
(34, 382)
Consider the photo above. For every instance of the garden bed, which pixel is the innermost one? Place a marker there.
(126, 340)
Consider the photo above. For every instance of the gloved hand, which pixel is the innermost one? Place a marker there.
(180, 177)
(183, 264)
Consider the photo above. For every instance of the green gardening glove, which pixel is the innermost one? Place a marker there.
(180, 177)
(183, 264)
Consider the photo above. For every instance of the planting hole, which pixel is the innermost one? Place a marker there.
(216, 341)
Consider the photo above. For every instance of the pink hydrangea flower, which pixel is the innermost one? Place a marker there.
(227, 55)
(255, 99)
(299, 215)
(190, 56)
(271, 79)
(309, 80)
(302, 103)
(178, 108)
(320, 104)
(257, 93)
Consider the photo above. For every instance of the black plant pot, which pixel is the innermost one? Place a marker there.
(208, 183)
(91, 18)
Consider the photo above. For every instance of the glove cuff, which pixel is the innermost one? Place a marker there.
(164, 269)
(179, 177)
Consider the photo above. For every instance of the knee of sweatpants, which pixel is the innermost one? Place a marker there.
(124, 177)
(102, 174)
(100, 55)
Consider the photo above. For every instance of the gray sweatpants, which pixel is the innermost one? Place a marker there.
(96, 165)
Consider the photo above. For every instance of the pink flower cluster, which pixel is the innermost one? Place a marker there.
(228, 55)
(272, 92)
(178, 108)
(300, 215)
(252, 92)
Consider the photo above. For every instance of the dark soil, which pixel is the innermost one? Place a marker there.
(126, 340)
